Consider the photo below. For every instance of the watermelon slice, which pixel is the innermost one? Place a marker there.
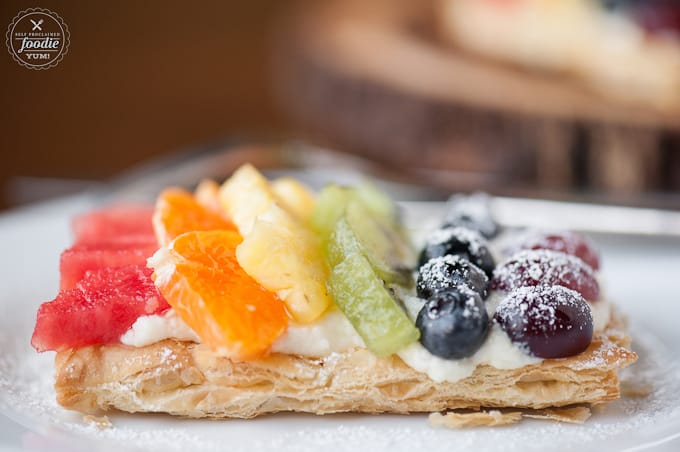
(98, 310)
(116, 236)
(84, 257)
(117, 223)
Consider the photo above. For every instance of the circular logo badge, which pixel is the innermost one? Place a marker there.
(37, 38)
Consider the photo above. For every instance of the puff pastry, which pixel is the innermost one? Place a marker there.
(187, 379)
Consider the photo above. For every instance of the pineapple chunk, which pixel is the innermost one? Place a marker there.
(288, 262)
(207, 195)
(295, 197)
(278, 250)
(244, 196)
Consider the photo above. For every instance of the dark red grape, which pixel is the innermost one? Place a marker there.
(654, 16)
(567, 242)
(548, 321)
(546, 267)
(658, 16)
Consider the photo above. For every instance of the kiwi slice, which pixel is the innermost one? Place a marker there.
(358, 231)
(330, 204)
(370, 308)
(373, 218)
(367, 250)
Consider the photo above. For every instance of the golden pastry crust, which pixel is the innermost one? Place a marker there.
(187, 379)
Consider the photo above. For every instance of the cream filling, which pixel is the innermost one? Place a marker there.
(497, 351)
(334, 334)
(331, 334)
(149, 329)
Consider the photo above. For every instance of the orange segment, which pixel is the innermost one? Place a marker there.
(199, 276)
(177, 212)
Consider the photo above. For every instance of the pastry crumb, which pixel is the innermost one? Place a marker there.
(573, 415)
(101, 422)
(457, 420)
(636, 389)
(497, 418)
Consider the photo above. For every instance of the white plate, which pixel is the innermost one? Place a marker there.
(641, 275)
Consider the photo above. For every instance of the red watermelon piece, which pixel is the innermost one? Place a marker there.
(98, 309)
(84, 257)
(117, 223)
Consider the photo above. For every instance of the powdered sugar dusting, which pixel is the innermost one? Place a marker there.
(443, 235)
(435, 270)
(540, 303)
(471, 211)
(26, 392)
(550, 321)
(546, 267)
(472, 308)
(568, 242)
(442, 272)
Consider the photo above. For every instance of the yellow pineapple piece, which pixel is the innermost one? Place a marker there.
(207, 195)
(295, 197)
(244, 196)
(278, 250)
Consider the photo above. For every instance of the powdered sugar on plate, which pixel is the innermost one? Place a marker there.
(26, 378)
(26, 395)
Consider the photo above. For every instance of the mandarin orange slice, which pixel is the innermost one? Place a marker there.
(178, 211)
(201, 279)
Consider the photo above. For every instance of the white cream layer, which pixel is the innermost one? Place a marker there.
(149, 329)
(334, 334)
(331, 334)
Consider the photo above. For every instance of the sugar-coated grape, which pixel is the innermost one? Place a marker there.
(548, 321)
(546, 267)
(565, 241)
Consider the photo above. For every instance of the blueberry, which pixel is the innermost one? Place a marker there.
(471, 212)
(615, 4)
(458, 241)
(547, 321)
(653, 16)
(447, 272)
(453, 324)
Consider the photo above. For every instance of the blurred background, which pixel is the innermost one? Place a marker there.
(560, 99)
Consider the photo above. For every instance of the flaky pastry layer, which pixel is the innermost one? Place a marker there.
(188, 379)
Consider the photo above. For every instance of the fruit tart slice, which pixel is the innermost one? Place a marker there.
(627, 50)
(264, 297)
